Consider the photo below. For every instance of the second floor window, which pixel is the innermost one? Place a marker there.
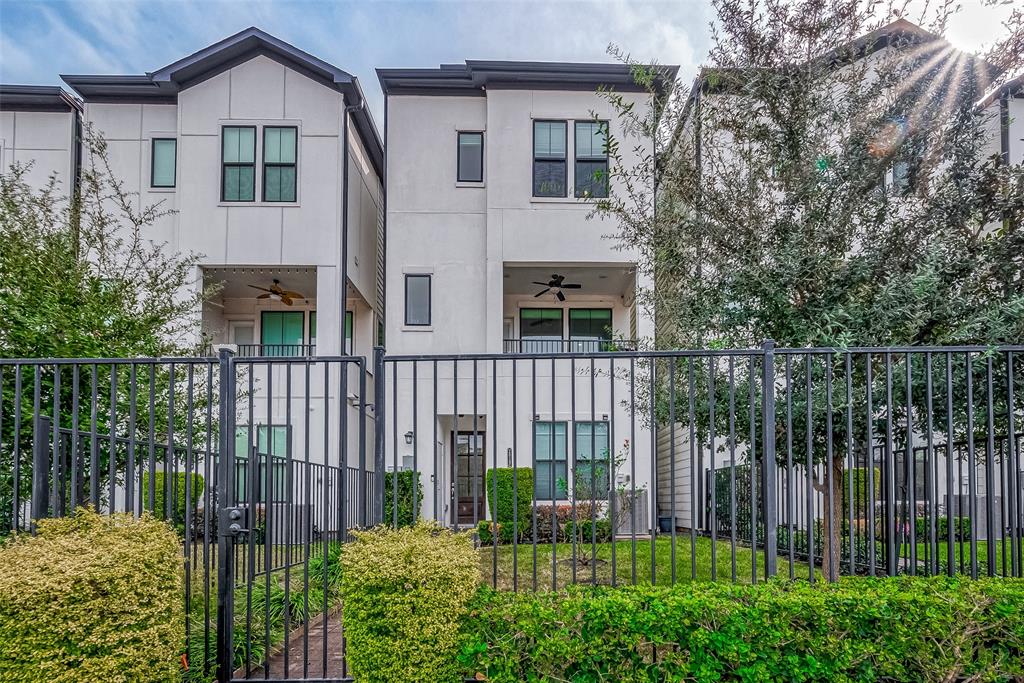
(417, 300)
(591, 169)
(549, 170)
(238, 179)
(471, 158)
(279, 163)
(163, 162)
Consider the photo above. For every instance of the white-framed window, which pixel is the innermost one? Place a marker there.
(163, 162)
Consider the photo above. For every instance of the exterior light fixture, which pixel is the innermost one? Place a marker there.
(408, 437)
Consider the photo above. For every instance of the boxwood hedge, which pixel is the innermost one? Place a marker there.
(92, 598)
(859, 629)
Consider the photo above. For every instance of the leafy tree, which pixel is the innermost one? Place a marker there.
(80, 278)
(830, 180)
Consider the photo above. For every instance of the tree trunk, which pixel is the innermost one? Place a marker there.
(832, 520)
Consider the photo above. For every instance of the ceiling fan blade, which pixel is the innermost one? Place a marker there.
(558, 278)
(561, 297)
(542, 284)
(290, 293)
(263, 296)
(262, 289)
(286, 300)
(542, 292)
(571, 286)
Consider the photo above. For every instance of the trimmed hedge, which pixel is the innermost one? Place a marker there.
(92, 598)
(406, 480)
(864, 629)
(513, 504)
(179, 506)
(405, 592)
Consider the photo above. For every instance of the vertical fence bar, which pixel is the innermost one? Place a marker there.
(225, 499)
(378, 433)
(769, 467)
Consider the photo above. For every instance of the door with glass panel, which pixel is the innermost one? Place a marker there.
(281, 333)
(540, 330)
(468, 469)
(590, 329)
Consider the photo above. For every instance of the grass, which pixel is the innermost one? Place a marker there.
(515, 569)
(962, 553)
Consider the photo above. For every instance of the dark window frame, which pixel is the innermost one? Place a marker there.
(277, 164)
(348, 333)
(569, 458)
(594, 457)
(565, 160)
(225, 165)
(561, 319)
(458, 156)
(152, 162)
(576, 159)
(430, 297)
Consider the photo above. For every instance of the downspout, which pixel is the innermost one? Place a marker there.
(382, 329)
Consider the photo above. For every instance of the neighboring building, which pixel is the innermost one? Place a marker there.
(490, 175)
(39, 128)
(271, 163)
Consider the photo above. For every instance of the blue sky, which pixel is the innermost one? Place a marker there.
(41, 39)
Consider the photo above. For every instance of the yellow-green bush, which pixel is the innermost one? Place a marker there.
(92, 598)
(404, 593)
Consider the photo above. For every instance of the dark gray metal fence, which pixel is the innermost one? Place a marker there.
(587, 467)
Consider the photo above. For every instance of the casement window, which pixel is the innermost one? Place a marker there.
(349, 329)
(271, 444)
(238, 157)
(592, 474)
(279, 155)
(549, 164)
(591, 170)
(163, 162)
(471, 158)
(281, 333)
(590, 329)
(417, 300)
(540, 330)
(550, 468)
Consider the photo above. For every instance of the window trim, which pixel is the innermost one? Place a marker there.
(576, 159)
(152, 162)
(611, 320)
(533, 160)
(576, 459)
(569, 458)
(346, 339)
(275, 164)
(224, 165)
(458, 156)
(430, 297)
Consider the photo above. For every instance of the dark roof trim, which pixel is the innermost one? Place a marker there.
(37, 98)
(1011, 88)
(163, 85)
(475, 76)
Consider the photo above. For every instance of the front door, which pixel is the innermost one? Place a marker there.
(468, 469)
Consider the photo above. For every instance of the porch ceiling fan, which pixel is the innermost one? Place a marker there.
(555, 285)
(278, 293)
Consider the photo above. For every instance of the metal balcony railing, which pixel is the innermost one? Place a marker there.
(541, 345)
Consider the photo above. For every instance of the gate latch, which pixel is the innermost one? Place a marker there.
(234, 521)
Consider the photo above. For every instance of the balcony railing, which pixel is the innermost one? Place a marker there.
(528, 345)
(276, 350)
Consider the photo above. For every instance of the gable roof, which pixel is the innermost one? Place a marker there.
(37, 98)
(475, 76)
(164, 84)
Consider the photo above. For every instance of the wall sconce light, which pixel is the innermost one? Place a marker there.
(408, 437)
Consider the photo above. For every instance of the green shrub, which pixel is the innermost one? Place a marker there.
(511, 508)
(590, 531)
(484, 530)
(92, 598)
(861, 500)
(406, 480)
(178, 483)
(961, 529)
(893, 629)
(405, 592)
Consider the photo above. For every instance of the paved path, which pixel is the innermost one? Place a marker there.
(313, 667)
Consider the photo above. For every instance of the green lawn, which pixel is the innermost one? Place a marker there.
(962, 551)
(689, 566)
